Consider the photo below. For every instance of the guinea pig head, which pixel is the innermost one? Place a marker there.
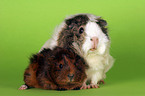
(88, 31)
(73, 31)
(97, 38)
(68, 70)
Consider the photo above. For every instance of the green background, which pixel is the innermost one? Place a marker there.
(25, 25)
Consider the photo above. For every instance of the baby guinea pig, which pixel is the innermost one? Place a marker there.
(57, 69)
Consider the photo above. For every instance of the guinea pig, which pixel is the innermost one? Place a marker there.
(57, 69)
(89, 33)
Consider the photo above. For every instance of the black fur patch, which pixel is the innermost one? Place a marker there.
(77, 21)
(45, 52)
(59, 52)
(102, 23)
(33, 58)
(77, 88)
(61, 89)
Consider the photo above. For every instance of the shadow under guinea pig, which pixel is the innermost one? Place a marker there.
(57, 69)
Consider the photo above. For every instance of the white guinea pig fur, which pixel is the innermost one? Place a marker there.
(99, 60)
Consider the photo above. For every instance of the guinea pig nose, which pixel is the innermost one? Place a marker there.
(70, 76)
(94, 43)
(94, 39)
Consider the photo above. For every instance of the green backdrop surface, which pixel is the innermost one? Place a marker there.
(25, 25)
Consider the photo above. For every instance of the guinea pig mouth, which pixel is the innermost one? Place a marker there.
(94, 49)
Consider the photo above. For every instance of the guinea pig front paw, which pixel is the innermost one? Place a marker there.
(23, 87)
(84, 86)
(93, 86)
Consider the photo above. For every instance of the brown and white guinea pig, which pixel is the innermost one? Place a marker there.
(88, 35)
(58, 69)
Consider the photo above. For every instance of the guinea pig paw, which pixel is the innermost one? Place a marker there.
(94, 86)
(101, 81)
(84, 86)
(23, 87)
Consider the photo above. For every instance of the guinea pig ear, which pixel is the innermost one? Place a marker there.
(37, 58)
(102, 22)
(45, 52)
(68, 21)
(34, 58)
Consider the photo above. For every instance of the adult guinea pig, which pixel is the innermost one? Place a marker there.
(88, 35)
(59, 69)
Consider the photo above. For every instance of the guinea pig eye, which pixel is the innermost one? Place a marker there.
(81, 30)
(60, 66)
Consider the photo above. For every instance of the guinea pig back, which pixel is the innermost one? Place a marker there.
(60, 68)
